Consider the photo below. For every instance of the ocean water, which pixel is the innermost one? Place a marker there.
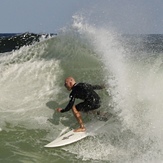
(32, 87)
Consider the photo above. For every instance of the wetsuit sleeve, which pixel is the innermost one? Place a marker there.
(69, 106)
(96, 87)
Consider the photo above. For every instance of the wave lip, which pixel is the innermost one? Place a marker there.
(16, 41)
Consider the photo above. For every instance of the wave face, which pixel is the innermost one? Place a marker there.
(32, 78)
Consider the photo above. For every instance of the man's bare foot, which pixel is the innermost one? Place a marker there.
(80, 129)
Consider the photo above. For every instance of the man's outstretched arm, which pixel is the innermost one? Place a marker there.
(68, 107)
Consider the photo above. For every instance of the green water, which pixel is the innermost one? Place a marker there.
(19, 145)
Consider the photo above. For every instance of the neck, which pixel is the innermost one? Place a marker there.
(73, 85)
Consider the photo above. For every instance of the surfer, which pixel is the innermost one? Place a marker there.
(85, 92)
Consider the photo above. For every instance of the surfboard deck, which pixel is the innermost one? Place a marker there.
(72, 137)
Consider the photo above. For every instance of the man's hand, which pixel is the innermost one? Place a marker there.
(59, 109)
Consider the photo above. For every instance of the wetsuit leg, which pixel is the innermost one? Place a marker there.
(87, 106)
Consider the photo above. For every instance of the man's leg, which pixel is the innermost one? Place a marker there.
(79, 119)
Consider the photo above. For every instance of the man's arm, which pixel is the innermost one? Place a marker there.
(97, 87)
(69, 106)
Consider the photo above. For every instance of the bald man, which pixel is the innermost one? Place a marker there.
(85, 92)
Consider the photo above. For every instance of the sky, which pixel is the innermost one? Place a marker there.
(49, 16)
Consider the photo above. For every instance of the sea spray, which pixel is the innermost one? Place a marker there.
(136, 99)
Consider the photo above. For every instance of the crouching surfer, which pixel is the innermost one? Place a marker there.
(85, 92)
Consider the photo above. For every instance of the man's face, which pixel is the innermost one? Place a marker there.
(68, 84)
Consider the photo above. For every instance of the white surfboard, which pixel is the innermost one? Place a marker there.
(72, 137)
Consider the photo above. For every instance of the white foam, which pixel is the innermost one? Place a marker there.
(26, 87)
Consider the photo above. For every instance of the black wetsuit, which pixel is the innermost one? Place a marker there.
(85, 92)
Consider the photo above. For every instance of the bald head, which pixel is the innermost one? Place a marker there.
(69, 82)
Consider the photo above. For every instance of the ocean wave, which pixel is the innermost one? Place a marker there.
(32, 86)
